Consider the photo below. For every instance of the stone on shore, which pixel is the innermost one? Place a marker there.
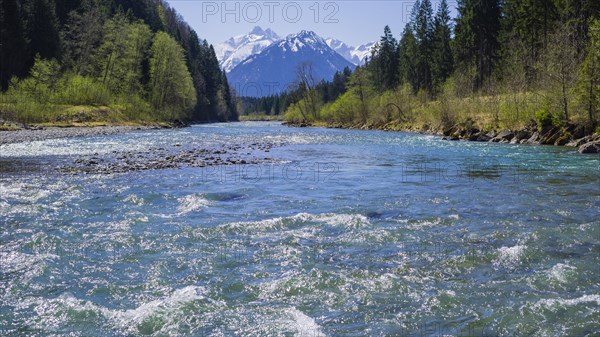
(591, 147)
(504, 136)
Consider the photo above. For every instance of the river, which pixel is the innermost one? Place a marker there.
(344, 233)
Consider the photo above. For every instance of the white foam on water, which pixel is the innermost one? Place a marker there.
(168, 309)
(20, 198)
(509, 256)
(192, 203)
(30, 264)
(332, 219)
(553, 303)
(34, 196)
(134, 199)
(422, 224)
(560, 272)
(304, 325)
(346, 220)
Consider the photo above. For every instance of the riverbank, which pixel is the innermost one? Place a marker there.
(11, 132)
(261, 118)
(571, 135)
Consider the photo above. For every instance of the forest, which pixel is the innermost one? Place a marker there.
(498, 64)
(121, 61)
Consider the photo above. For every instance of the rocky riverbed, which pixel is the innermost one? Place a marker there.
(37, 133)
(167, 157)
(176, 156)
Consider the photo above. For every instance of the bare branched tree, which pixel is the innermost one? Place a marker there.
(306, 83)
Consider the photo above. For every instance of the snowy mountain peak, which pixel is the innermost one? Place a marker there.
(356, 55)
(257, 30)
(236, 49)
(275, 68)
(304, 39)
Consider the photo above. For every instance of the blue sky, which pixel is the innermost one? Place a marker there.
(354, 22)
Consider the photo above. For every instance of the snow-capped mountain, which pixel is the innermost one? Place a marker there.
(356, 55)
(276, 67)
(233, 51)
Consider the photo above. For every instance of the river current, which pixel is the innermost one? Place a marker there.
(344, 233)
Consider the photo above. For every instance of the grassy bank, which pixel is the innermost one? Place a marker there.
(261, 118)
(400, 110)
(52, 115)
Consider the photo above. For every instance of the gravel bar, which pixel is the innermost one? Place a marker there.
(28, 135)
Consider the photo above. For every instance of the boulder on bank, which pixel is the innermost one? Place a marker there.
(581, 141)
(504, 136)
(534, 139)
(591, 147)
(563, 140)
(522, 135)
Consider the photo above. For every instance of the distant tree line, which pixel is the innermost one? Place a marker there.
(517, 59)
(138, 54)
(273, 105)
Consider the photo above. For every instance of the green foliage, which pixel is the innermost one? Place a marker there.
(588, 85)
(544, 118)
(384, 61)
(47, 92)
(171, 88)
(407, 57)
(477, 33)
(121, 55)
(79, 90)
(509, 62)
(13, 54)
(82, 36)
(442, 64)
(97, 53)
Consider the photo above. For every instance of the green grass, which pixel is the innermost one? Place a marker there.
(261, 118)
(8, 128)
(74, 115)
(401, 110)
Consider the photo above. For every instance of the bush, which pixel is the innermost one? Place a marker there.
(79, 90)
(544, 118)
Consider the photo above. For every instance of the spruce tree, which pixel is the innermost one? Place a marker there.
(476, 35)
(13, 43)
(384, 61)
(42, 29)
(407, 58)
(442, 60)
(423, 35)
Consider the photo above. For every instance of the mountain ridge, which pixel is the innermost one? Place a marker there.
(275, 68)
(236, 49)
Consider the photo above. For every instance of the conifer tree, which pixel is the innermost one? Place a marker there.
(442, 60)
(423, 35)
(476, 38)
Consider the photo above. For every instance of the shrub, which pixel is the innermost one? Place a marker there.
(544, 118)
(79, 90)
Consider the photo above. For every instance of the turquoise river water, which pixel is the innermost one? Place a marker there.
(344, 233)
